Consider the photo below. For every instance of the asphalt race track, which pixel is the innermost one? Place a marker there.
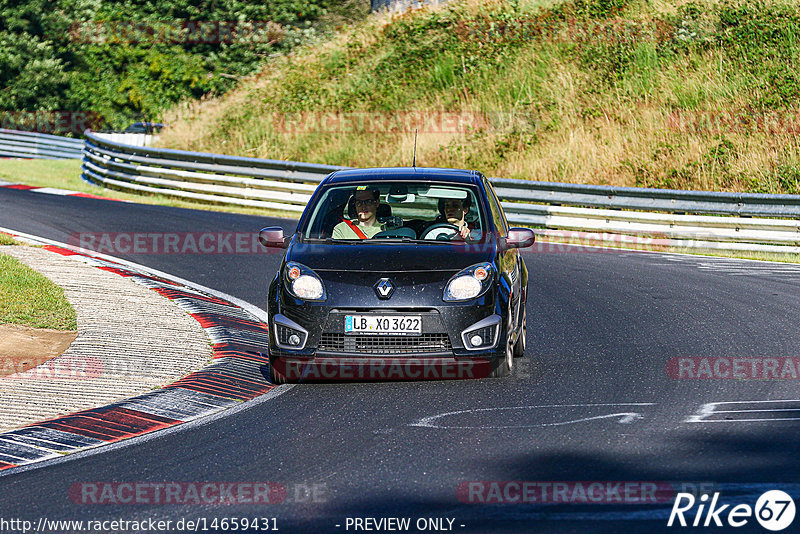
(592, 401)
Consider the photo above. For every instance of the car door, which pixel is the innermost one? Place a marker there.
(508, 258)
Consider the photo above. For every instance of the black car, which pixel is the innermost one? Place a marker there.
(402, 273)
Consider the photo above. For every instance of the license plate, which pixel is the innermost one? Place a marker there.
(383, 324)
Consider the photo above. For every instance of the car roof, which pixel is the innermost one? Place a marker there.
(459, 176)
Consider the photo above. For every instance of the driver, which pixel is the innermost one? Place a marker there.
(454, 211)
(366, 203)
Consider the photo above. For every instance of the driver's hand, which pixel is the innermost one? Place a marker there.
(464, 231)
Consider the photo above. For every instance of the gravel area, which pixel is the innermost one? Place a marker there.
(130, 340)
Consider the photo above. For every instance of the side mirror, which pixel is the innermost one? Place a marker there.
(520, 238)
(272, 237)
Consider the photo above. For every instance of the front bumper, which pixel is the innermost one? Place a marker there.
(328, 354)
(449, 332)
(443, 351)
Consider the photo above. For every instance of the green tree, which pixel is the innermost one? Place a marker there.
(48, 63)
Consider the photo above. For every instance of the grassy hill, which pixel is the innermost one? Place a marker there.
(656, 93)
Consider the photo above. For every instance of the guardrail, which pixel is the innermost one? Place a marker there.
(250, 182)
(128, 138)
(688, 219)
(32, 145)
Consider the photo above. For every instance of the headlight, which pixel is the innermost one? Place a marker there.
(463, 288)
(302, 282)
(470, 283)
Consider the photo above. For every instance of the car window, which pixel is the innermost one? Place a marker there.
(497, 211)
(403, 210)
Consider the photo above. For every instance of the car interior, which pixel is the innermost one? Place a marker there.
(340, 204)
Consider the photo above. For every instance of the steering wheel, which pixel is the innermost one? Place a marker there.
(441, 232)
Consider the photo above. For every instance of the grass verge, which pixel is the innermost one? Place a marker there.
(6, 239)
(28, 298)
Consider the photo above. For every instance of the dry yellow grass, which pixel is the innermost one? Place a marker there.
(550, 117)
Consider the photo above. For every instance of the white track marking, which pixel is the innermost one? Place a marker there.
(625, 417)
(710, 409)
(738, 267)
(53, 191)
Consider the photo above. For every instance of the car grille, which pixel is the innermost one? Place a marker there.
(426, 343)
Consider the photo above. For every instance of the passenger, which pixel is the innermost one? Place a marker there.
(366, 204)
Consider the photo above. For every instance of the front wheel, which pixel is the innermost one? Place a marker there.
(519, 346)
(505, 366)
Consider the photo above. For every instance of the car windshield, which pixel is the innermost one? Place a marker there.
(404, 211)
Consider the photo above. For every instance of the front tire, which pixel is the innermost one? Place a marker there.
(505, 366)
(519, 346)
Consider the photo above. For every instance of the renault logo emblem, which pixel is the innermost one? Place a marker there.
(384, 288)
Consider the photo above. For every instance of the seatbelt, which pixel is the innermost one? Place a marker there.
(356, 229)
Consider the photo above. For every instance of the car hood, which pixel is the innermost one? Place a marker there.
(388, 257)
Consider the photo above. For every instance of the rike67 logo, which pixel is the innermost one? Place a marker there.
(774, 510)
